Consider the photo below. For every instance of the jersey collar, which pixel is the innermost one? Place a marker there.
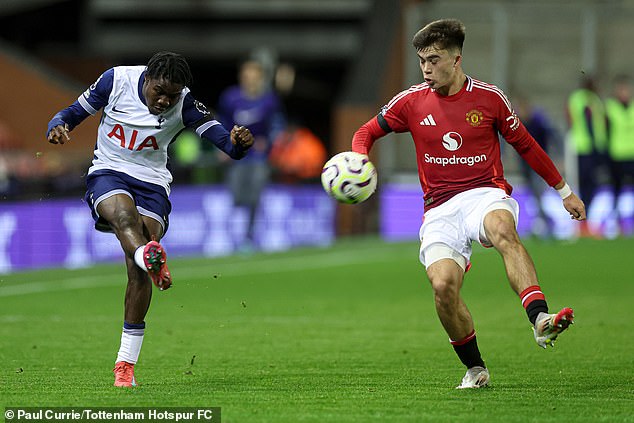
(140, 88)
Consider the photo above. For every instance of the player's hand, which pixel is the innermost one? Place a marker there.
(575, 207)
(59, 134)
(242, 136)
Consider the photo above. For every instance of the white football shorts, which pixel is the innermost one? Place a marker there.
(449, 230)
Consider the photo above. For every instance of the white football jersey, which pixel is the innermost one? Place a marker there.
(130, 139)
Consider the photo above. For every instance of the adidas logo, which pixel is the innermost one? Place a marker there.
(428, 121)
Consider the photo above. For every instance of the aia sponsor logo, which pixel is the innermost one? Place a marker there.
(130, 141)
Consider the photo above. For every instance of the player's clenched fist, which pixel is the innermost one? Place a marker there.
(59, 135)
(575, 207)
(242, 136)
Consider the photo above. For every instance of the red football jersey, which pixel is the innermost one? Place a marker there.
(457, 141)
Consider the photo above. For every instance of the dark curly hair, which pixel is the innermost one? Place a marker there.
(444, 34)
(169, 66)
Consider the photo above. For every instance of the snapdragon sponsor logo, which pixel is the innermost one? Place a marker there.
(452, 141)
(455, 160)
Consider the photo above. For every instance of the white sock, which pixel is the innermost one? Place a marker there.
(138, 257)
(131, 341)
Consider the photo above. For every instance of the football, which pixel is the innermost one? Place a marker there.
(349, 177)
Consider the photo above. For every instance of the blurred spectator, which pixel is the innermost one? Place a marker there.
(251, 103)
(8, 139)
(588, 137)
(285, 78)
(193, 161)
(540, 127)
(27, 174)
(298, 155)
(7, 142)
(620, 114)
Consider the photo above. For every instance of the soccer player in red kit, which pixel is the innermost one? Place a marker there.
(454, 121)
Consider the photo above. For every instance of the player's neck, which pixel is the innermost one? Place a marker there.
(455, 86)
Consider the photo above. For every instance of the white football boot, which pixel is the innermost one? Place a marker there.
(476, 377)
(549, 326)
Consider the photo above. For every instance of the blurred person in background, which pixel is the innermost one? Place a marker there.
(128, 184)
(539, 125)
(588, 139)
(620, 117)
(298, 155)
(455, 122)
(8, 143)
(253, 103)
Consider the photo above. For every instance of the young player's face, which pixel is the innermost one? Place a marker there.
(160, 95)
(438, 67)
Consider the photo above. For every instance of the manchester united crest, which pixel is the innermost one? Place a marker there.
(474, 117)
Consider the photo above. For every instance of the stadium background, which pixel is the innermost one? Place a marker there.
(350, 57)
(343, 334)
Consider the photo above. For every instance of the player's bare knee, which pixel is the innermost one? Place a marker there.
(446, 288)
(125, 220)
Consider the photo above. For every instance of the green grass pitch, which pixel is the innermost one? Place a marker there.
(343, 334)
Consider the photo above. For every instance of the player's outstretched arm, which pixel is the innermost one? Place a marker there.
(59, 134)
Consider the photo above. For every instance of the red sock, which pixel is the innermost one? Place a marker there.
(534, 302)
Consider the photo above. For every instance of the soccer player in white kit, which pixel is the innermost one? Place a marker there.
(454, 121)
(128, 184)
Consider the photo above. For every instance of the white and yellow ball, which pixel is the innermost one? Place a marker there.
(349, 177)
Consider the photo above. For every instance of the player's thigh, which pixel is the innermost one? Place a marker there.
(495, 212)
(438, 251)
(119, 210)
(500, 226)
(443, 236)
